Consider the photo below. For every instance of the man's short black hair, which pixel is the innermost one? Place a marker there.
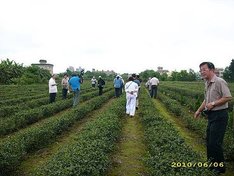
(130, 78)
(209, 64)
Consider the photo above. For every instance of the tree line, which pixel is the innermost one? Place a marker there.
(185, 75)
(14, 73)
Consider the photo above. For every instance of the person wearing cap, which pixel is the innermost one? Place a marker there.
(214, 105)
(93, 82)
(136, 79)
(131, 89)
(117, 85)
(101, 84)
(74, 83)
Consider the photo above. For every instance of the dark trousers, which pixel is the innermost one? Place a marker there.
(117, 92)
(100, 90)
(52, 97)
(217, 123)
(153, 92)
(64, 93)
(76, 96)
(121, 90)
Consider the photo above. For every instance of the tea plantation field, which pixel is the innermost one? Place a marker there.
(97, 138)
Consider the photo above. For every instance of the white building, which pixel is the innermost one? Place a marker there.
(161, 71)
(43, 64)
(219, 72)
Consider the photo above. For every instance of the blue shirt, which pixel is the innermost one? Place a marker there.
(117, 83)
(137, 81)
(74, 82)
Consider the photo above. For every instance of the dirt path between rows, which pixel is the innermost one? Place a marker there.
(130, 151)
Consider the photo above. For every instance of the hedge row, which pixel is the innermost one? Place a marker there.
(24, 118)
(10, 92)
(197, 96)
(199, 126)
(20, 99)
(191, 102)
(14, 148)
(89, 153)
(11, 106)
(168, 152)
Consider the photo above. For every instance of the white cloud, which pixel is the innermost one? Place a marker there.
(124, 35)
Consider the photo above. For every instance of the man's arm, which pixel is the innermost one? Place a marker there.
(200, 109)
(219, 102)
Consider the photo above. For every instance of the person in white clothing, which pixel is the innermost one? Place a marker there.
(154, 87)
(148, 84)
(52, 88)
(131, 89)
(93, 82)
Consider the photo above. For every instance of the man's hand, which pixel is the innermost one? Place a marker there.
(209, 106)
(197, 114)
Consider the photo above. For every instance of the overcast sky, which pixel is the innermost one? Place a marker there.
(120, 35)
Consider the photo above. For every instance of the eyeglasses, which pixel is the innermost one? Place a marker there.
(203, 70)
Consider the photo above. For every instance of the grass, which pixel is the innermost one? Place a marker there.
(130, 151)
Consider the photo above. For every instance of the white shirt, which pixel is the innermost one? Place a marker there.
(154, 81)
(131, 87)
(52, 86)
(93, 81)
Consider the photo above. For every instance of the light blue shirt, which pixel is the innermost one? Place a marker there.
(74, 82)
(117, 83)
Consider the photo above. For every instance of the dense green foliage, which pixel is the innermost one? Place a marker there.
(10, 70)
(183, 75)
(181, 101)
(168, 152)
(13, 73)
(89, 153)
(13, 149)
(32, 75)
(229, 72)
(29, 125)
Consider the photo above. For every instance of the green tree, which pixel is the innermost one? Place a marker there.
(33, 75)
(174, 76)
(148, 73)
(9, 70)
(183, 75)
(192, 75)
(164, 77)
(229, 72)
